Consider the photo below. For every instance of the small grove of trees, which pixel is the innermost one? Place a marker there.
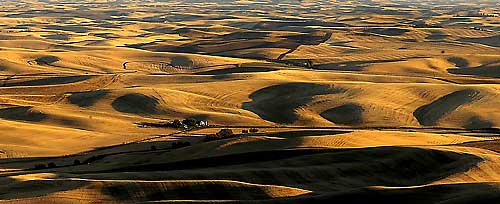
(52, 165)
(190, 122)
(76, 162)
(46, 166)
(180, 124)
(251, 130)
(222, 134)
(40, 166)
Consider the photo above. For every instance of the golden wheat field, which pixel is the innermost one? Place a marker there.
(249, 101)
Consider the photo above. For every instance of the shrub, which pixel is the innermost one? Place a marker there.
(244, 131)
(77, 162)
(190, 122)
(153, 147)
(177, 124)
(52, 165)
(224, 133)
(40, 166)
(254, 130)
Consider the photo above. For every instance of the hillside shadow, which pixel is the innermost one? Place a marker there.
(489, 70)
(278, 103)
(48, 81)
(47, 60)
(136, 104)
(305, 133)
(19, 189)
(459, 62)
(477, 122)
(437, 35)
(299, 167)
(481, 193)
(352, 168)
(493, 41)
(88, 98)
(387, 31)
(347, 114)
(356, 65)
(431, 113)
(23, 113)
(237, 70)
(57, 37)
(186, 190)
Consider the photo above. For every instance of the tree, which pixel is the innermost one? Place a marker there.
(77, 162)
(254, 130)
(40, 166)
(189, 122)
(52, 165)
(177, 124)
(153, 148)
(224, 133)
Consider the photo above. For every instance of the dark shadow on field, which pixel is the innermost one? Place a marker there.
(278, 103)
(231, 44)
(477, 122)
(493, 145)
(347, 114)
(356, 65)
(305, 133)
(47, 60)
(15, 189)
(319, 169)
(486, 70)
(56, 37)
(349, 168)
(481, 193)
(29, 114)
(288, 25)
(493, 41)
(431, 113)
(237, 70)
(136, 103)
(48, 81)
(437, 35)
(184, 190)
(22, 113)
(387, 31)
(343, 44)
(245, 35)
(70, 28)
(459, 62)
(88, 98)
